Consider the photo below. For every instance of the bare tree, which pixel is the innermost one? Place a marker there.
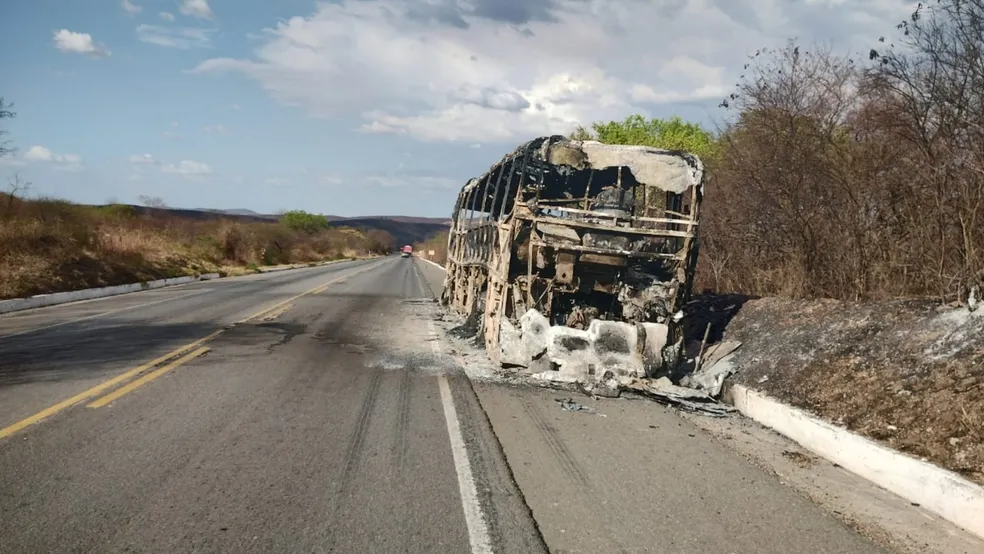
(935, 79)
(17, 189)
(152, 201)
(6, 112)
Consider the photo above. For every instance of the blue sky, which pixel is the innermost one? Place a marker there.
(360, 107)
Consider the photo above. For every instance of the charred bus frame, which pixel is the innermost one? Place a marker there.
(578, 231)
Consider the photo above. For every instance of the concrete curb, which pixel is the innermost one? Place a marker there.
(42, 300)
(433, 263)
(935, 489)
(285, 268)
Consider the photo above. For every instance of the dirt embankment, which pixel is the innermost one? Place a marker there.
(907, 373)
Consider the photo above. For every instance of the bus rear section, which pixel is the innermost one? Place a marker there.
(574, 259)
(406, 251)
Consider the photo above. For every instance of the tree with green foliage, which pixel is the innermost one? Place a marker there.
(670, 134)
(299, 220)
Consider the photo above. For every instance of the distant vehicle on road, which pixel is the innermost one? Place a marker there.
(406, 251)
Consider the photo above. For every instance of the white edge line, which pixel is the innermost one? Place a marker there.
(478, 533)
(101, 314)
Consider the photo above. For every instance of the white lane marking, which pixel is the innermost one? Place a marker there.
(101, 314)
(478, 533)
(435, 342)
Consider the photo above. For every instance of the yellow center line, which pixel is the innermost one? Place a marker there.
(101, 388)
(284, 303)
(130, 387)
(122, 378)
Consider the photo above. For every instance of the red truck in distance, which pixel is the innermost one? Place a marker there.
(406, 251)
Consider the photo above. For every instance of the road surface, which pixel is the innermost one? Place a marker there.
(321, 410)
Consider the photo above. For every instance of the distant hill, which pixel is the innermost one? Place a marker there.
(250, 213)
(405, 229)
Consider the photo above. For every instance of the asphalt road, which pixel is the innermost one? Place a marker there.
(325, 412)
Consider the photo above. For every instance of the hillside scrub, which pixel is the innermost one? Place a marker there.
(845, 179)
(848, 196)
(438, 243)
(49, 246)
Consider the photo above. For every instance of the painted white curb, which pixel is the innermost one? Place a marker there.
(302, 266)
(282, 268)
(937, 490)
(41, 300)
(433, 263)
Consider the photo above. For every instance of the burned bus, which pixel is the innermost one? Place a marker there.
(574, 258)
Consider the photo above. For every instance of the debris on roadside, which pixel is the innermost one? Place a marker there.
(571, 406)
(692, 400)
(717, 365)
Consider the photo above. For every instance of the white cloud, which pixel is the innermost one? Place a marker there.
(277, 181)
(140, 164)
(175, 37)
(131, 8)
(196, 8)
(217, 128)
(143, 159)
(166, 16)
(187, 168)
(41, 154)
(174, 133)
(505, 69)
(412, 180)
(331, 179)
(78, 43)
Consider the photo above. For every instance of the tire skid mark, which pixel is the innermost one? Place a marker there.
(567, 462)
(491, 475)
(402, 443)
(358, 439)
(353, 455)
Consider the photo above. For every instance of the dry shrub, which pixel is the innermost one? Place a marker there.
(438, 243)
(853, 180)
(50, 245)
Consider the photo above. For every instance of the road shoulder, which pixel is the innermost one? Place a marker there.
(827, 491)
(634, 477)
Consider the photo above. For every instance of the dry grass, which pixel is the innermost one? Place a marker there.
(438, 243)
(49, 246)
(907, 373)
(836, 179)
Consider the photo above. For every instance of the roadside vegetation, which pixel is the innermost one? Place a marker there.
(843, 225)
(845, 178)
(438, 243)
(49, 245)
